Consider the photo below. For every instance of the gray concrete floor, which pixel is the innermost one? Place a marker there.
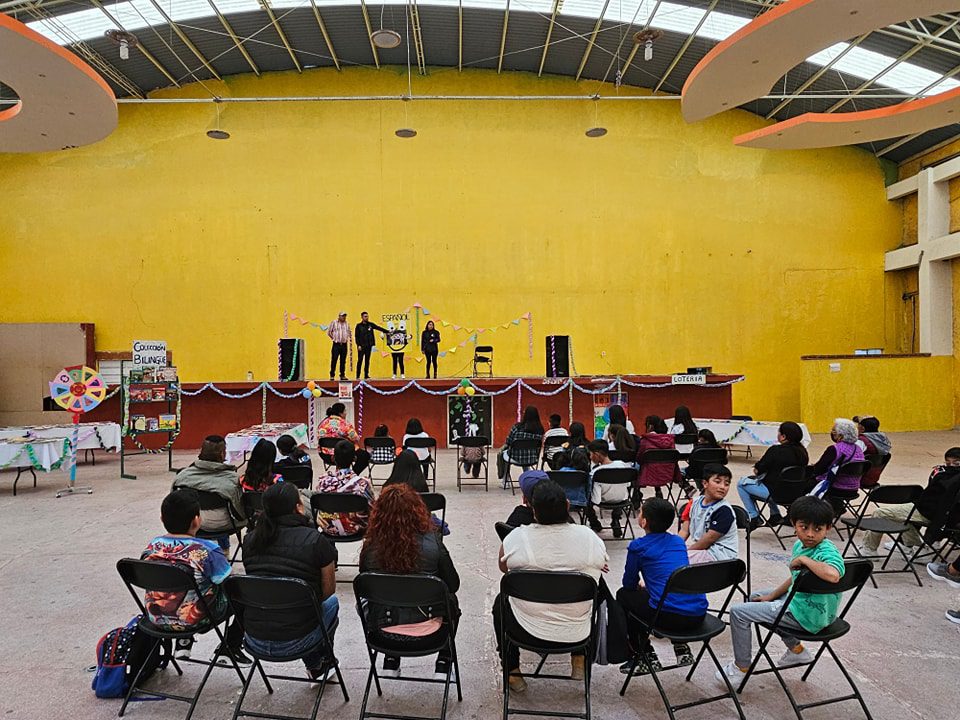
(59, 592)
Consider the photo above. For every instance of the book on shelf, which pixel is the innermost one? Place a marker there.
(159, 393)
(153, 424)
(149, 374)
(139, 394)
(167, 374)
(167, 422)
(136, 375)
(138, 422)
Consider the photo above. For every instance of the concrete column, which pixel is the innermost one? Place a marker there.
(935, 276)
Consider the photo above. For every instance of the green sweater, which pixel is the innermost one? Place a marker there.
(815, 612)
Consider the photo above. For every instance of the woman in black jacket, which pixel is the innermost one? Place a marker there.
(789, 451)
(285, 543)
(430, 345)
(402, 539)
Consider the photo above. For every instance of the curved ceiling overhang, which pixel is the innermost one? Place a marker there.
(749, 62)
(63, 103)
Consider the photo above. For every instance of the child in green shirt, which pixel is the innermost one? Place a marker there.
(812, 518)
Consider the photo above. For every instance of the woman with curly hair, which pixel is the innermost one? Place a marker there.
(402, 539)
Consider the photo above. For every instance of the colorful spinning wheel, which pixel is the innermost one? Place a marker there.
(78, 389)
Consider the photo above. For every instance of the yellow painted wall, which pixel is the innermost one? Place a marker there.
(909, 393)
(656, 247)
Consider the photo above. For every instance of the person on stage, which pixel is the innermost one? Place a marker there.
(397, 339)
(363, 335)
(430, 344)
(339, 332)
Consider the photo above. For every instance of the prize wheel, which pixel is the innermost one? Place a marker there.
(78, 389)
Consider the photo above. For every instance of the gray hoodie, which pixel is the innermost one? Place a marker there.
(880, 441)
(219, 478)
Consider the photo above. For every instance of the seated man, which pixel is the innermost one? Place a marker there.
(180, 514)
(209, 473)
(551, 543)
(292, 454)
(874, 443)
(709, 525)
(342, 479)
(600, 457)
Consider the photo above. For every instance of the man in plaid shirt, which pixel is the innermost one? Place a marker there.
(339, 332)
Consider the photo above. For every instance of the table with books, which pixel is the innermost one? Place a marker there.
(92, 435)
(241, 442)
(746, 432)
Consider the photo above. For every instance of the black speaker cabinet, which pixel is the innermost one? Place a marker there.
(291, 358)
(558, 356)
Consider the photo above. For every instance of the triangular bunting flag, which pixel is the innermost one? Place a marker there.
(425, 311)
(444, 323)
(462, 344)
(453, 350)
(481, 330)
(443, 353)
(517, 321)
(506, 326)
(456, 327)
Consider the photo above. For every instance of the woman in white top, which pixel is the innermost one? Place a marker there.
(683, 424)
(415, 430)
(617, 417)
(551, 543)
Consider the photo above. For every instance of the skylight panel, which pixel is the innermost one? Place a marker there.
(720, 26)
(82, 24)
(494, 4)
(582, 8)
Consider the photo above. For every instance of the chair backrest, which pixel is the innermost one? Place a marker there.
(211, 501)
(328, 443)
(526, 444)
(650, 457)
(400, 590)
(791, 473)
(420, 442)
(686, 439)
(854, 469)
(473, 441)
(156, 576)
(895, 494)
(252, 503)
(614, 476)
(622, 455)
(546, 587)
(339, 503)
(379, 442)
(742, 518)
(878, 460)
(789, 486)
(555, 441)
(569, 479)
(269, 593)
(434, 501)
(856, 573)
(483, 349)
(742, 418)
(705, 456)
(503, 529)
(299, 475)
(705, 577)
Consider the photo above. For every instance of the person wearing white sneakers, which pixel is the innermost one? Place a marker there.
(949, 574)
(811, 518)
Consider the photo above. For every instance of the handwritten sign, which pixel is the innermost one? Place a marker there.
(150, 352)
(688, 379)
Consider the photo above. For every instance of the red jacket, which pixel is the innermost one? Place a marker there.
(659, 474)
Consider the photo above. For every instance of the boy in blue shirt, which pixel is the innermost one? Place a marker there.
(655, 556)
(812, 518)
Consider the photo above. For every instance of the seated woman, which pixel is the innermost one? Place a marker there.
(623, 444)
(286, 544)
(259, 475)
(415, 430)
(789, 451)
(683, 424)
(578, 436)
(706, 439)
(530, 428)
(382, 455)
(576, 460)
(826, 471)
(407, 470)
(342, 479)
(656, 437)
(876, 445)
(402, 539)
(292, 455)
(335, 426)
(618, 416)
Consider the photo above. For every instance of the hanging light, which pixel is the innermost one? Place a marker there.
(217, 133)
(406, 133)
(124, 40)
(647, 37)
(385, 39)
(596, 132)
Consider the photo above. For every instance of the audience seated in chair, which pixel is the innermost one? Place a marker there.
(293, 455)
(575, 460)
(709, 524)
(415, 430)
(942, 486)
(335, 426)
(826, 471)
(180, 515)
(408, 470)
(382, 455)
(341, 478)
(623, 441)
(260, 475)
(286, 543)
(874, 443)
(402, 539)
(555, 430)
(578, 436)
(530, 428)
(210, 473)
(683, 424)
(656, 437)
(788, 452)
(654, 557)
(551, 543)
(617, 416)
(605, 493)
(523, 513)
(812, 518)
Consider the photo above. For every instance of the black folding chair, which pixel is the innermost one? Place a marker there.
(842, 500)
(548, 588)
(335, 503)
(430, 445)
(785, 488)
(695, 580)
(699, 459)
(943, 526)
(436, 502)
(299, 475)
(252, 507)
(854, 578)
(251, 594)
(530, 449)
(884, 495)
(212, 501)
(549, 443)
(617, 476)
(380, 448)
(576, 483)
(478, 441)
(327, 443)
(164, 577)
(483, 355)
(685, 439)
(503, 529)
(430, 596)
(660, 457)
(743, 523)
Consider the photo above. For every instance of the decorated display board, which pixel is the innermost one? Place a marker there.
(469, 416)
(601, 410)
(77, 389)
(147, 392)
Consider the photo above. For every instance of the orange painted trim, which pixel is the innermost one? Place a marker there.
(862, 117)
(18, 27)
(10, 112)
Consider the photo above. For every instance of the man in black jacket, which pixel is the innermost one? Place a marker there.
(363, 335)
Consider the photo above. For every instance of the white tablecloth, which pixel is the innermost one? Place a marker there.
(752, 432)
(242, 441)
(16, 453)
(90, 436)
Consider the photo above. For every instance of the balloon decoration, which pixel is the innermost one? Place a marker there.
(77, 389)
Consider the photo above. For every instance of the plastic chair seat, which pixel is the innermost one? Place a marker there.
(709, 628)
(837, 629)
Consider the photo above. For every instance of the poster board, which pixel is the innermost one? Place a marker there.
(469, 416)
(601, 410)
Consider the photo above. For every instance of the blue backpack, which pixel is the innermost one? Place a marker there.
(121, 654)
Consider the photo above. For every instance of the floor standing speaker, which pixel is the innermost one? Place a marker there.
(558, 356)
(291, 359)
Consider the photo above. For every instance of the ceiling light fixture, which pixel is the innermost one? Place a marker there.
(596, 132)
(385, 39)
(124, 39)
(217, 133)
(647, 37)
(406, 133)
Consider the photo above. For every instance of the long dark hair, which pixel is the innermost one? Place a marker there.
(531, 420)
(407, 470)
(260, 465)
(655, 424)
(578, 435)
(414, 427)
(580, 459)
(794, 435)
(620, 439)
(338, 409)
(709, 439)
(278, 500)
(398, 519)
(618, 415)
(682, 416)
